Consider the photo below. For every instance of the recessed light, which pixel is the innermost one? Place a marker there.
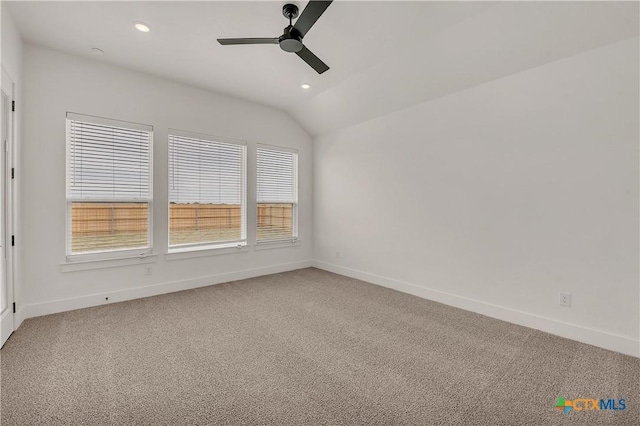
(305, 86)
(141, 26)
(97, 52)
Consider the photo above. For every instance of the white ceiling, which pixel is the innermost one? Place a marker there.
(384, 56)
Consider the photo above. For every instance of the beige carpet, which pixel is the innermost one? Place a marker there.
(300, 348)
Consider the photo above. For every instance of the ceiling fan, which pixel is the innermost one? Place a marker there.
(291, 40)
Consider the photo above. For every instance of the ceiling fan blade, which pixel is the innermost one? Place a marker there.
(310, 15)
(229, 41)
(312, 60)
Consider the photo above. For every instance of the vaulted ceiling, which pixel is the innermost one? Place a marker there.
(384, 56)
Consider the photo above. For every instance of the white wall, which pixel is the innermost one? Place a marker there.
(56, 83)
(11, 50)
(497, 198)
(11, 61)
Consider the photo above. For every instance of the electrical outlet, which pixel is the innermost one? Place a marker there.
(147, 270)
(565, 299)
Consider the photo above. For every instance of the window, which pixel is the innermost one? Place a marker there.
(207, 191)
(277, 191)
(109, 192)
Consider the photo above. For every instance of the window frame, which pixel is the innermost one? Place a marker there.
(176, 249)
(141, 252)
(294, 239)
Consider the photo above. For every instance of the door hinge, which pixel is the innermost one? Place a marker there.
(14, 307)
(13, 106)
(13, 173)
(13, 240)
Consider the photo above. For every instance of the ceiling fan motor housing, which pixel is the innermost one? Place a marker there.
(291, 40)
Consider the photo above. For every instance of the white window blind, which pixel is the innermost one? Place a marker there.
(207, 190)
(108, 185)
(277, 193)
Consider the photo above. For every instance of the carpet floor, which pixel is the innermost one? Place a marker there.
(301, 348)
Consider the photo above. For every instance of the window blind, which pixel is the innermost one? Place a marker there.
(207, 190)
(108, 184)
(277, 193)
(108, 162)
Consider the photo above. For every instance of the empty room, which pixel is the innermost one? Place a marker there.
(320, 213)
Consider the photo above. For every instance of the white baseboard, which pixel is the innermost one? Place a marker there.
(579, 333)
(18, 318)
(63, 305)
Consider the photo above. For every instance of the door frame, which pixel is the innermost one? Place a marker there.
(8, 324)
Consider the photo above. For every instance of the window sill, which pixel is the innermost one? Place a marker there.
(269, 245)
(191, 252)
(85, 265)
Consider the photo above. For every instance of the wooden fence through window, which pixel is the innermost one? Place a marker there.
(96, 219)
